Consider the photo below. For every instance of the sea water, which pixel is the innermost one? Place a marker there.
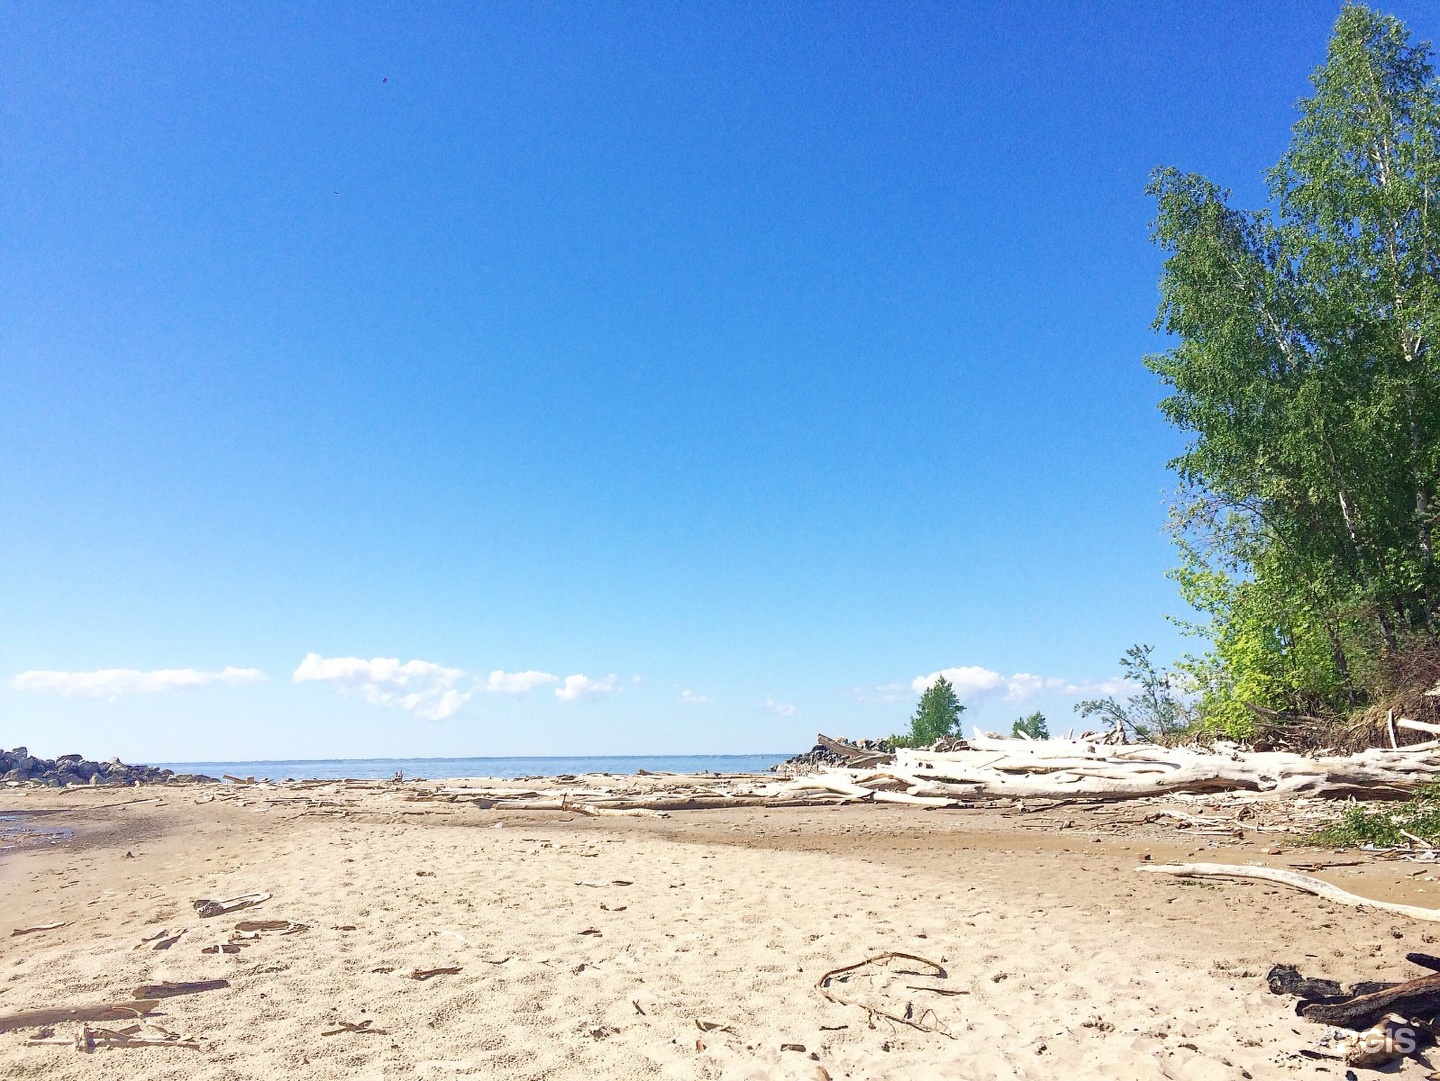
(440, 768)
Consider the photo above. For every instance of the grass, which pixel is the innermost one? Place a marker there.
(1419, 815)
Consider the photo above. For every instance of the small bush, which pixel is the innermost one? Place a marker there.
(1359, 825)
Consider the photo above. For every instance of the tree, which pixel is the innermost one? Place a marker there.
(1032, 725)
(936, 717)
(1305, 373)
(1154, 712)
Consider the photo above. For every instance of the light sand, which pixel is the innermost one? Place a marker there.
(1075, 966)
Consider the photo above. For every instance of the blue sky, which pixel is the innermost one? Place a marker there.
(763, 358)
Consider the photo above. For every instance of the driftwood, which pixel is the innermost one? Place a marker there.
(38, 927)
(207, 908)
(132, 1036)
(1392, 1038)
(125, 1011)
(1306, 883)
(856, 756)
(285, 927)
(1286, 980)
(165, 941)
(170, 990)
(985, 767)
(1424, 960)
(1414, 998)
(994, 768)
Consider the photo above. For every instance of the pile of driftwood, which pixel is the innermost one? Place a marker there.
(1391, 1020)
(963, 773)
(990, 767)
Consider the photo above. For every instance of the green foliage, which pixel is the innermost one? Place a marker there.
(1033, 725)
(936, 717)
(1419, 815)
(1154, 712)
(1305, 372)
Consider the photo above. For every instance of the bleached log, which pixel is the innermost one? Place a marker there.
(1307, 883)
(920, 801)
(1418, 726)
(830, 781)
(1147, 769)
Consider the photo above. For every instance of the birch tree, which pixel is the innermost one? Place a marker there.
(1304, 371)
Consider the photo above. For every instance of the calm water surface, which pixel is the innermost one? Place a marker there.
(437, 768)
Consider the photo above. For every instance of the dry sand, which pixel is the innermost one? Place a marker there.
(1072, 965)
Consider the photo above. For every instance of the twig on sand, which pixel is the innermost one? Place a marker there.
(362, 1029)
(822, 985)
(430, 973)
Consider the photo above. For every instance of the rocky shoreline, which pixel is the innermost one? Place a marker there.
(19, 767)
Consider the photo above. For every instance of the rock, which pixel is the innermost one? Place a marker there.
(18, 767)
(821, 756)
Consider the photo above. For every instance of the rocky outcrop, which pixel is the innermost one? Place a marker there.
(21, 767)
(829, 752)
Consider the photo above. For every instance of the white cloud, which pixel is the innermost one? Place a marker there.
(1114, 687)
(975, 684)
(518, 682)
(971, 682)
(885, 692)
(780, 709)
(421, 688)
(692, 698)
(113, 682)
(583, 687)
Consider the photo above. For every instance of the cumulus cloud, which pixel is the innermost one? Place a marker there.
(421, 688)
(518, 682)
(692, 698)
(582, 688)
(113, 682)
(885, 692)
(780, 709)
(1114, 687)
(975, 684)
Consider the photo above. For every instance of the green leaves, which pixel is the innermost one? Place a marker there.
(1032, 725)
(1154, 712)
(936, 717)
(1304, 369)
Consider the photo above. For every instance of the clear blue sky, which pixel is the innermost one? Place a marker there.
(776, 354)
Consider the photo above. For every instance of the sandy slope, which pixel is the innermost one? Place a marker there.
(1073, 965)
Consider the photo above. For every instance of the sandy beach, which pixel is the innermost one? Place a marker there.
(678, 947)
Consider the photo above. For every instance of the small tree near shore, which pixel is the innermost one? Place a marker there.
(937, 717)
(1033, 726)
